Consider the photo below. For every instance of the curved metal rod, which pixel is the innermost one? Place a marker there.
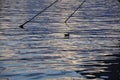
(73, 13)
(22, 26)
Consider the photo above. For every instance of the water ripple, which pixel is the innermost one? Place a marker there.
(41, 52)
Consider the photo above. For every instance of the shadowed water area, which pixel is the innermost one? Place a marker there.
(40, 51)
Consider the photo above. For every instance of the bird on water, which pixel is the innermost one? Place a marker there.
(66, 35)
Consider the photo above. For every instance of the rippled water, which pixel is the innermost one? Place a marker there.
(40, 51)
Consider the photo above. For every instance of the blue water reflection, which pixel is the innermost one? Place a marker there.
(40, 51)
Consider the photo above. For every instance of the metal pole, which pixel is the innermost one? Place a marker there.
(74, 11)
(22, 26)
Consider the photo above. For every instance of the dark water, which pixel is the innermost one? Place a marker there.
(40, 51)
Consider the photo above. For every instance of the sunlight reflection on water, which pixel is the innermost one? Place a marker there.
(40, 51)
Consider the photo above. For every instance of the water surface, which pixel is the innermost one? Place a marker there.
(40, 51)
